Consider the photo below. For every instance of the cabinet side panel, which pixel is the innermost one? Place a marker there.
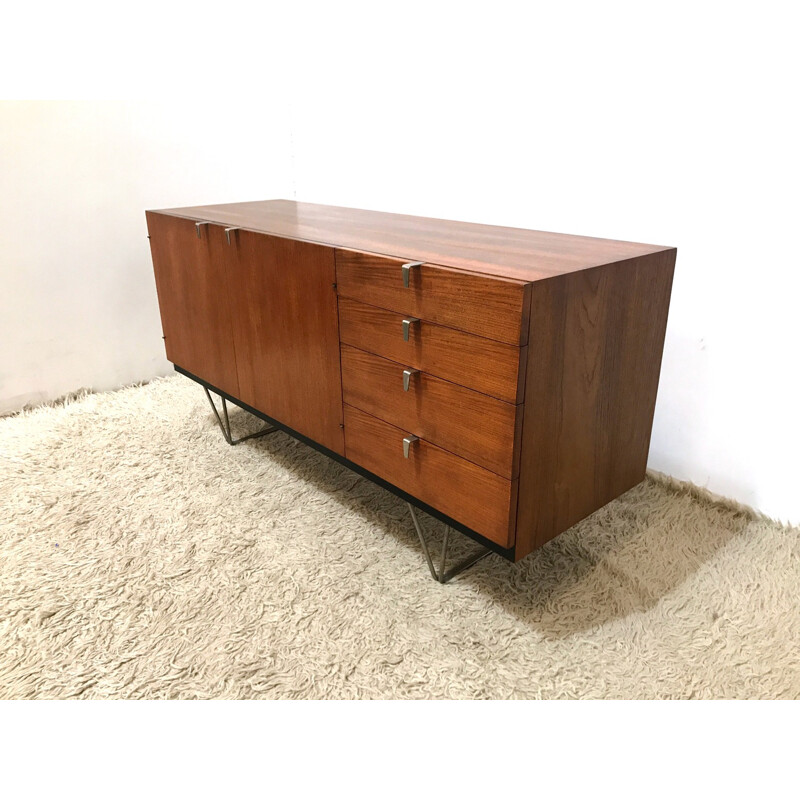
(193, 298)
(594, 357)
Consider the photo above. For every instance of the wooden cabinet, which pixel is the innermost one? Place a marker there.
(501, 379)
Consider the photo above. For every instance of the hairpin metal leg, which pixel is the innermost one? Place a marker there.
(225, 426)
(441, 576)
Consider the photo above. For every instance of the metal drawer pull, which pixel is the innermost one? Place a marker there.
(407, 323)
(407, 270)
(228, 233)
(197, 228)
(407, 373)
(407, 442)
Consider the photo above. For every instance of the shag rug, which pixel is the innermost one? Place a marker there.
(143, 557)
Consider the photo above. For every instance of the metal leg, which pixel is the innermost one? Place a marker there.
(225, 426)
(442, 576)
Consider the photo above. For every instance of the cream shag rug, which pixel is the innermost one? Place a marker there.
(141, 556)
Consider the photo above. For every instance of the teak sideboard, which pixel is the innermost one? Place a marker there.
(503, 380)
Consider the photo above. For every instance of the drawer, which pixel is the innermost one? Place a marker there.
(488, 366)
(496, 308)
(475, 426)
(475, 497)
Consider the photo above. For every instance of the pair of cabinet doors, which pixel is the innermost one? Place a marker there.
(255, 316)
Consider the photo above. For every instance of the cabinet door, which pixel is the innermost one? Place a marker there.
(193, 298)
(286, 330)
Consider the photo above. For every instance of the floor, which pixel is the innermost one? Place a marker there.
(142, 557)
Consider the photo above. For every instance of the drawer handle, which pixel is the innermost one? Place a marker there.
(407, 373)
(228, 232)
(407, 442)
(407, 323)
(407, 271)
(197, 228)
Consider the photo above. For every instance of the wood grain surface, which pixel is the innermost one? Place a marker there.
(539, 353)
(492, 307)
(594, 357)
(286, 331)
(488, 366)
(193, 298)
(518, 253)
(472, 425)
(476, 497)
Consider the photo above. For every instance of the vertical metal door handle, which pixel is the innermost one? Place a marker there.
(228, 232)
(407, 271)
(407, 323)
(407, 442)
(407, 373)
(197, 228)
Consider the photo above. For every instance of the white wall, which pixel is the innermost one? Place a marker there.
(673, 124)
(78, 304)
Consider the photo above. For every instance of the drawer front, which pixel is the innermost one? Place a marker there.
(479, 428)
(488, 366)
(475, 497)
(496, 308)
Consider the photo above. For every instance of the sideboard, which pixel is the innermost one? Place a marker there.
(503, 380)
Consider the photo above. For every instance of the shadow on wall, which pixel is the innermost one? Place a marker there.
(619, 561)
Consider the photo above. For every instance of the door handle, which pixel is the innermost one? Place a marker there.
(197, 228)
(228, 232)
(407, 442)
(407, 373)
(407, 323)
(407, 271)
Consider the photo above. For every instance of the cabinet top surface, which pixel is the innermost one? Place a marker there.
(515, 253)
